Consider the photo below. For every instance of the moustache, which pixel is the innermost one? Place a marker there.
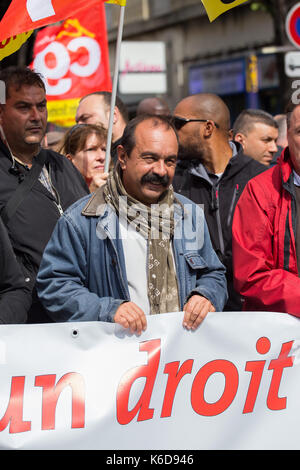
(156, 179)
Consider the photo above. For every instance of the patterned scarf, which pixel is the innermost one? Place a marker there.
(156, 225)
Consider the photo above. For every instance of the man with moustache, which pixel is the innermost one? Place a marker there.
(134, 248)
(30, 211)
(213, 171)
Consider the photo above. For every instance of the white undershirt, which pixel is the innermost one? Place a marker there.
(135, 254)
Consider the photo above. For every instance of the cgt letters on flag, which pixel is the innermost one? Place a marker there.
(73, 59)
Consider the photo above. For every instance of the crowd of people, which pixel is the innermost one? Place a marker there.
(195, 214)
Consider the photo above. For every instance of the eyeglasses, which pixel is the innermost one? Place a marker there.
(179, 122)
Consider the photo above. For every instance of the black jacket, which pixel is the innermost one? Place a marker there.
(219, 200)
(31, 226)
(15, 297)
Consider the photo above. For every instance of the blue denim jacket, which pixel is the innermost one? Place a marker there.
(82, 275)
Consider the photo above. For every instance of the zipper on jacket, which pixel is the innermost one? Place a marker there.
(220, 232)
(60, 209)
(230, 213)
(57, 202)
(215, 207)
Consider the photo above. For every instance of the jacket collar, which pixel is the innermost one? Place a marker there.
(285, 165)
(235, 164)
(96, 204)
(6, 150)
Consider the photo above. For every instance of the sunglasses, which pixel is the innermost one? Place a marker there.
(179, 122)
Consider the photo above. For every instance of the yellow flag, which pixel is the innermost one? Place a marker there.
(118, 2)
(11, 45)
(252, 74)
(214, 8)
(62, 112)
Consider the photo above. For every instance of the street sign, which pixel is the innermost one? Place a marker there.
(143, 67)
(292, 25)
(292, 64)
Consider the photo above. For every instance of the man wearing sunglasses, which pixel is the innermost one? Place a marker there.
(213, 171)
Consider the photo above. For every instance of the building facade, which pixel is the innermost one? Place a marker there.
(230, 56)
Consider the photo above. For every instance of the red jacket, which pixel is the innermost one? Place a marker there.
(263, 239)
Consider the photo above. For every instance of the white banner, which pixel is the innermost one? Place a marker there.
(232, 384)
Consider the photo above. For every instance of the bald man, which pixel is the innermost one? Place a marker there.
(213, 171)
(154, 105)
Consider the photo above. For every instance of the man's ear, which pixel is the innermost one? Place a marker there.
(122, 156)
(208, 129)
(116, 115)
(239, 137)
(69, 157)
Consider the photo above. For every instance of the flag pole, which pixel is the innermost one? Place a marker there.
(114, 88)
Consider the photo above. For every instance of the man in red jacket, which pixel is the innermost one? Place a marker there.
(266, 232)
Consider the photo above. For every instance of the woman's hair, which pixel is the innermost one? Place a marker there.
(75, 138)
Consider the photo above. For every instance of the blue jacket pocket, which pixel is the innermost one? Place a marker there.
(195, 261)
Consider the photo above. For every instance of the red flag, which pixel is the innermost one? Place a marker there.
(73, 59)
(25, 15)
